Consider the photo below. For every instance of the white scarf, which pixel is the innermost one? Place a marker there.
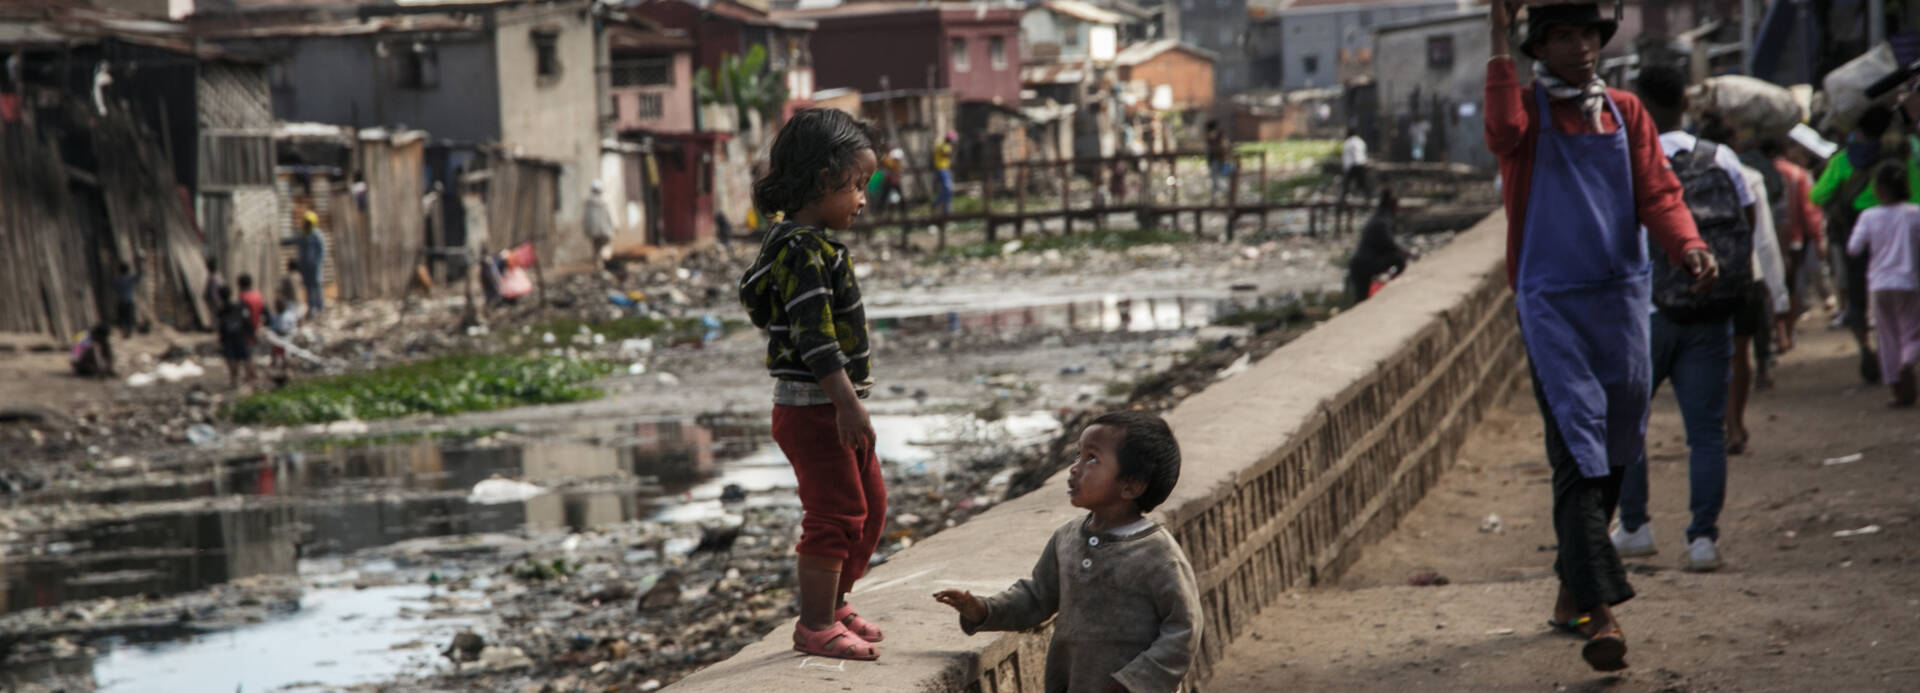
(1592, 96)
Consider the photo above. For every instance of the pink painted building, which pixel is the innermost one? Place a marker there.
(651, 78)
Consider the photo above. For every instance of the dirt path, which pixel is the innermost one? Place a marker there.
(1796, 609)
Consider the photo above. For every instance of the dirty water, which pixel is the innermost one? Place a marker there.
(338, 522)
(1077, 312)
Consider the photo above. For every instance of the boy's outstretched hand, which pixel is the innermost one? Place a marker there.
(970, 607)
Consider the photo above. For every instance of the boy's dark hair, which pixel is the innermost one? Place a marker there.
(1662, 86)
(226, 294)
(1388, 199)
(1772, 147)
(1875, 121)
(814, 141)
(1890, 182)
(293, 265)
(245, 281)
(126, 268)
(1148, 453)
(213, 264)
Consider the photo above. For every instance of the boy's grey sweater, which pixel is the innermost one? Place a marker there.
(1129, 610)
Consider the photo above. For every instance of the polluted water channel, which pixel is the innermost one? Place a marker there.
(330, 567)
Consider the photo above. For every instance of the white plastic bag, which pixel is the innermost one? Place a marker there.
(1750, 104)
(1847, 86)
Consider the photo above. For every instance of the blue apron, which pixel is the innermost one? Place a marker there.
(1583, 293)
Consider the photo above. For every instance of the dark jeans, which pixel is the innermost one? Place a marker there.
(1588, 566)
(124, 316)
(1357, 174)
(1699, 359)
(316, 300)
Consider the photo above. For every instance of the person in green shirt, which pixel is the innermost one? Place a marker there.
(1844, 191)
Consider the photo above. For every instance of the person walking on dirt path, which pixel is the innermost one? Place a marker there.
(599, 227)
(1219, 159)
(943, 172)
(1692, 333)
(126, 287)
(1584, 172)
(210, 293)
(1888, 236)
(802, 291)
(1801, 238)
(1123, 596)
(1762, 308)
(312, 255)
(1353, 164)
(1376, 253)
(1847, 178)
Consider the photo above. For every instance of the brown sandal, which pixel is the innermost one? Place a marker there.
(822, 643)
(1606, 651)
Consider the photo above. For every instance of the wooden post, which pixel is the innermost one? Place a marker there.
(986, 203)
(1264, 190)
(1233, 196)
(1066, 197)
(1020, 180)
(1099, 194)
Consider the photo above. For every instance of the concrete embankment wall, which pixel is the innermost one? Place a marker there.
(1291, 468)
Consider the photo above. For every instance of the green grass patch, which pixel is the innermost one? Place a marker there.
(1285, 150)
(439, 386)
(1285, 188)
(1099, 240)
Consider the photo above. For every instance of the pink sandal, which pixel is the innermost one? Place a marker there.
(821, 643)
(860, 626)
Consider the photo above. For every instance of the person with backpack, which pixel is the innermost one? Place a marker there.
(1583, 174)
(1845, 190)
(1692, 331)
(1763, 310)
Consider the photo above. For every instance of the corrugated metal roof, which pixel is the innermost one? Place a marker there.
(1084, 11)
(1142, 52)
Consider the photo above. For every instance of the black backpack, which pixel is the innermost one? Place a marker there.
(236, 320)
(1715, 203)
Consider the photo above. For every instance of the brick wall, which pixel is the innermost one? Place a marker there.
(1291, 469)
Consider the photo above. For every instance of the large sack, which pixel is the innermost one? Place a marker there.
(1765, 108)
(1847, 86)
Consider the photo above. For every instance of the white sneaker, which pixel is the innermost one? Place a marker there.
(1702, 555)
(1635, 543)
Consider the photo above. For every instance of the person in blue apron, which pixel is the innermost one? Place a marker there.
(1584, 172)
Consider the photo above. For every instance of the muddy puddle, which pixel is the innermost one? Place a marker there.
(1099, 311)
(337, 523)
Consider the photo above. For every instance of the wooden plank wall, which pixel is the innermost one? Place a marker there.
(49, 287)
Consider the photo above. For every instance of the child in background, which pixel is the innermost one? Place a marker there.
(286, 319)
(802, 292)
(1886, 235)
(236, 326)
(1127, 600)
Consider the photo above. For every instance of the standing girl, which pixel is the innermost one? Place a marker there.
(801, 291)
(1887, 235)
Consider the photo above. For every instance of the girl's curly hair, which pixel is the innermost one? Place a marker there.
(816, 149)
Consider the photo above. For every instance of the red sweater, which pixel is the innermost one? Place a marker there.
(1512, 136)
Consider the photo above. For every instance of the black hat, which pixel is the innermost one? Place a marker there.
(1539, 17)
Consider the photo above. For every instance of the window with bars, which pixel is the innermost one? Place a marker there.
(643, 72)
(651, 106)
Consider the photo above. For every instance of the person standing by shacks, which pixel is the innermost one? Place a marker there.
(1584, 171)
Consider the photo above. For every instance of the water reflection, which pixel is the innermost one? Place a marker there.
(327, 503)
(1141, 312)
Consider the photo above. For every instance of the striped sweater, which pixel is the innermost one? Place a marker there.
(801, 291)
